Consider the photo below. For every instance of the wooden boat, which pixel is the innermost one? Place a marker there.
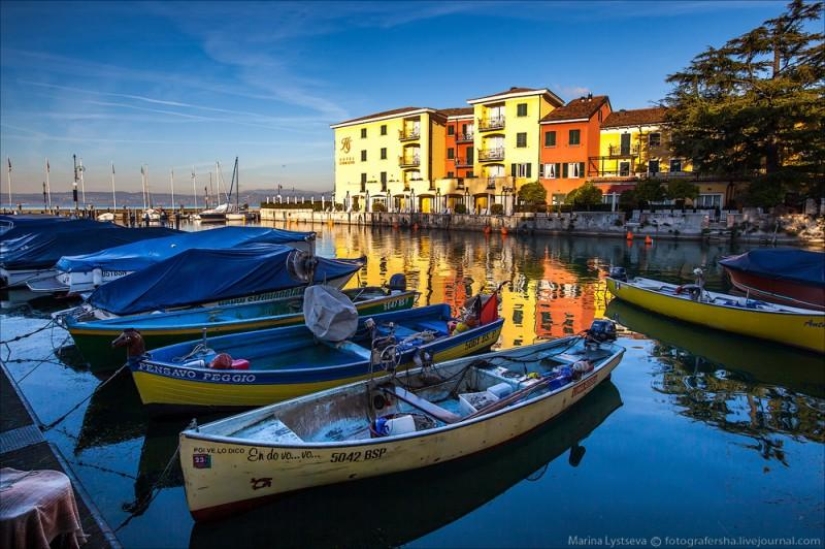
(803, 328)
(94, 337)
(414, 419)
(754, 360)
(264, 366)
(333, 516)
(789, 276)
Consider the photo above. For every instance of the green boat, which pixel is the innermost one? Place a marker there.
(94, 337)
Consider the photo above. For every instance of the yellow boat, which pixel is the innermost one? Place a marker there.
(792, 326)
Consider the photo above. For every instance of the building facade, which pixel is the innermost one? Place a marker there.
(419, 159)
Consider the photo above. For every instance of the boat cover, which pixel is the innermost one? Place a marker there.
(20, 231)
(138, 256)
(329, 313)
(44, 249)
(790, 264)
(203, 275)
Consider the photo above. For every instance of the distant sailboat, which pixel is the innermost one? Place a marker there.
(218, 213)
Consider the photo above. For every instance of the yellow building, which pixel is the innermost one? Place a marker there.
(390, 159)
(398, 160)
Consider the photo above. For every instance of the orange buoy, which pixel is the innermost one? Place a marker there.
(648, 240)
(504, 230)
(486, 229)
(630, 235)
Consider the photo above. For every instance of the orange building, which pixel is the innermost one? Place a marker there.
(569, 135)
(460, 139)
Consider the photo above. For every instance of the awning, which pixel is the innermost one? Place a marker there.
(618, 189)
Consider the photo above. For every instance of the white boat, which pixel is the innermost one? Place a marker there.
(413, 419)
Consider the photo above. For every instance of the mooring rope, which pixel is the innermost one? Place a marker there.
(76, 406)
(141, 504)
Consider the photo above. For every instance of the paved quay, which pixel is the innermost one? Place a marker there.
(23, 447)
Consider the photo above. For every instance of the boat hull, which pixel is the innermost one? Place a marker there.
(297, 366)
(800, 328)
(94, 339)
(224, 476)
(786, 292)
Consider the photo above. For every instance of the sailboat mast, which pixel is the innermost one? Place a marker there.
(114, 193)
(194, 189)
(172, 185)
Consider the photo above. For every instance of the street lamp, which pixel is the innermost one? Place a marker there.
(438, 207)
(467, 200)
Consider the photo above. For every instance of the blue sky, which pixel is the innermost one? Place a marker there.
(173, 85)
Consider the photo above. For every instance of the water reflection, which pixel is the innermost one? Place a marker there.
(737, 384)
(393, 510)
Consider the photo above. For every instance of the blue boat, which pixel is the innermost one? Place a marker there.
(84, 273)
(333, 347)
(32, 254)
(216, 277)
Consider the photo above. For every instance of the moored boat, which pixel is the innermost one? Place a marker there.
(333, 516)
(790, 276)
(85, 272)
(418, 418)
(33, 255)
(802, 328)
(740, 357)
(334, 346)
(217, 277)
(93, 338)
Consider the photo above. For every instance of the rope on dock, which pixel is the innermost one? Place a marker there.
(45, 428)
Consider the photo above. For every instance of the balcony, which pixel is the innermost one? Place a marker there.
(411, 134)
(464, 137)
(491, 155)
(489, 124)
(622, 152)
(412, 161)
(463, 163)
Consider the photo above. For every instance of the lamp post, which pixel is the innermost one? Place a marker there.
(467, 200)
(438, 207)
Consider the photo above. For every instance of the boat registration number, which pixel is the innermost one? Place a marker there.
(375, 453)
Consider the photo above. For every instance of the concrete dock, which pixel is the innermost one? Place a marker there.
(23, 447)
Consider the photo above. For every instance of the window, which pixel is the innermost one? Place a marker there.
(383, 153)
(550, 139)
(521, 109)
(363, 133)
(654, 139)
(363, 156)
(675, 165)
(363, 180)
(521, 170)
(383, 180)
(575, 137)
(450, 153)
(521, 140)
(573, 170)
(450, 175)
(653, 167)
(624, 169)
(383, 129)
(548, 171)
(450, 130)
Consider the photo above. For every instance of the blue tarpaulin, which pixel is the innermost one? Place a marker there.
(205, 275)
(138, 256)
(790, 264)
(43, 249)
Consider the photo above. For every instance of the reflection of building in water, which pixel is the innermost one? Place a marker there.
(543, 297)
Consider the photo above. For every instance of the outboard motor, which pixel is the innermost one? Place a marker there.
(601, 331)
(398, 282)
(618, 273)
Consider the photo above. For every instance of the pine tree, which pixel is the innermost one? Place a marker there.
(754, 108)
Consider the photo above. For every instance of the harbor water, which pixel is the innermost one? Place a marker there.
(699, 439)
